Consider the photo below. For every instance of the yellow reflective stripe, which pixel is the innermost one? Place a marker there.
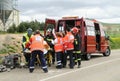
(24, 44)
(76, 42)
(75, 60)
(78, 51)
(27, 39)
(78, 59)
(49, 39)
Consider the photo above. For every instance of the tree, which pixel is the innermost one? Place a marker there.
(12, 29)
(42, 25)
(35, 25)
(23, 26)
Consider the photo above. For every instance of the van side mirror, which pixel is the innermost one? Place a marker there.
(107, 37)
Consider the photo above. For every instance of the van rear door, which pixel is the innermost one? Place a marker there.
(104, 42)
(90, 36)
(49, 23)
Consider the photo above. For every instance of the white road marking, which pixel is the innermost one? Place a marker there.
(79, 69)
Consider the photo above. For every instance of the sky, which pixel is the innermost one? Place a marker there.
(107, 11)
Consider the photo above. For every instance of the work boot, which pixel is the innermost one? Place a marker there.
(59, 67)
(75, 63)
(45, 70)
(71, 67)
(30, 70)
(79, 63)
(64, 66)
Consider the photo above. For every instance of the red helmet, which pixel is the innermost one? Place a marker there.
(75, 30)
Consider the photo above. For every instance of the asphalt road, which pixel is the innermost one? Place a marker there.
(99, 68)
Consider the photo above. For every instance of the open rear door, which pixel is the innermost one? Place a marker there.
(49, 23)
(90, 36)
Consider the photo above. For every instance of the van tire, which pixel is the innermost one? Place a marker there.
(107, 52)
(87, 56)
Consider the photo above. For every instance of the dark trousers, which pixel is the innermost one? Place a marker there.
(59, 58)
(70, 54)
(63, 58)
(40, 56)
(27, 58)
(77, 57)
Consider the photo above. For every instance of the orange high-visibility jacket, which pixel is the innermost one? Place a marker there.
(65, 43)
(68, 41)
(36, 43)
(58, 44)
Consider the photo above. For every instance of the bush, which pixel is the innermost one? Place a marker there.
(3, 51)
(23, 26)
(115, 43)
(12, 29)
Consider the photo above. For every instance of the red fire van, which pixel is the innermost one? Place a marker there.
(93, 37)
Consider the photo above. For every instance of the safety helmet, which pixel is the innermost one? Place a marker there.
(29, 31)
(74, 30)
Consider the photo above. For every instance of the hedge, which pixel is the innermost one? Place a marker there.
(115, 43)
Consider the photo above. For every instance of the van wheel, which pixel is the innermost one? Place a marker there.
(107, 52)
(87, 56)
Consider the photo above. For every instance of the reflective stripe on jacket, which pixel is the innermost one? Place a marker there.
(27, 39)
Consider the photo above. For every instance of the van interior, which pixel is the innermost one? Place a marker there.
(97, 33)
(70, 23)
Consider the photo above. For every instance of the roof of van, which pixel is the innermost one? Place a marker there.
(77, 18)
(70, 18)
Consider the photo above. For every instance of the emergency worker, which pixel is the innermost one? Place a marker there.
(36, 45)
(58, 46)
(77, 44)
(49, 38)
(25, 39)
(69, 47)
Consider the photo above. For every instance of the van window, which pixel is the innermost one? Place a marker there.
(105, 34)
(90, 28)
(61, 29)
(102, 31)
(50, 26)
(61, 26)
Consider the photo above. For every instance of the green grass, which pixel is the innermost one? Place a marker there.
(113, 30)
(115, 43)
(112, 24)
(114, 34)
(2, 32)
(18, 42)
(1, 60)
(3, 51)
(13, 38)
(8, 49)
